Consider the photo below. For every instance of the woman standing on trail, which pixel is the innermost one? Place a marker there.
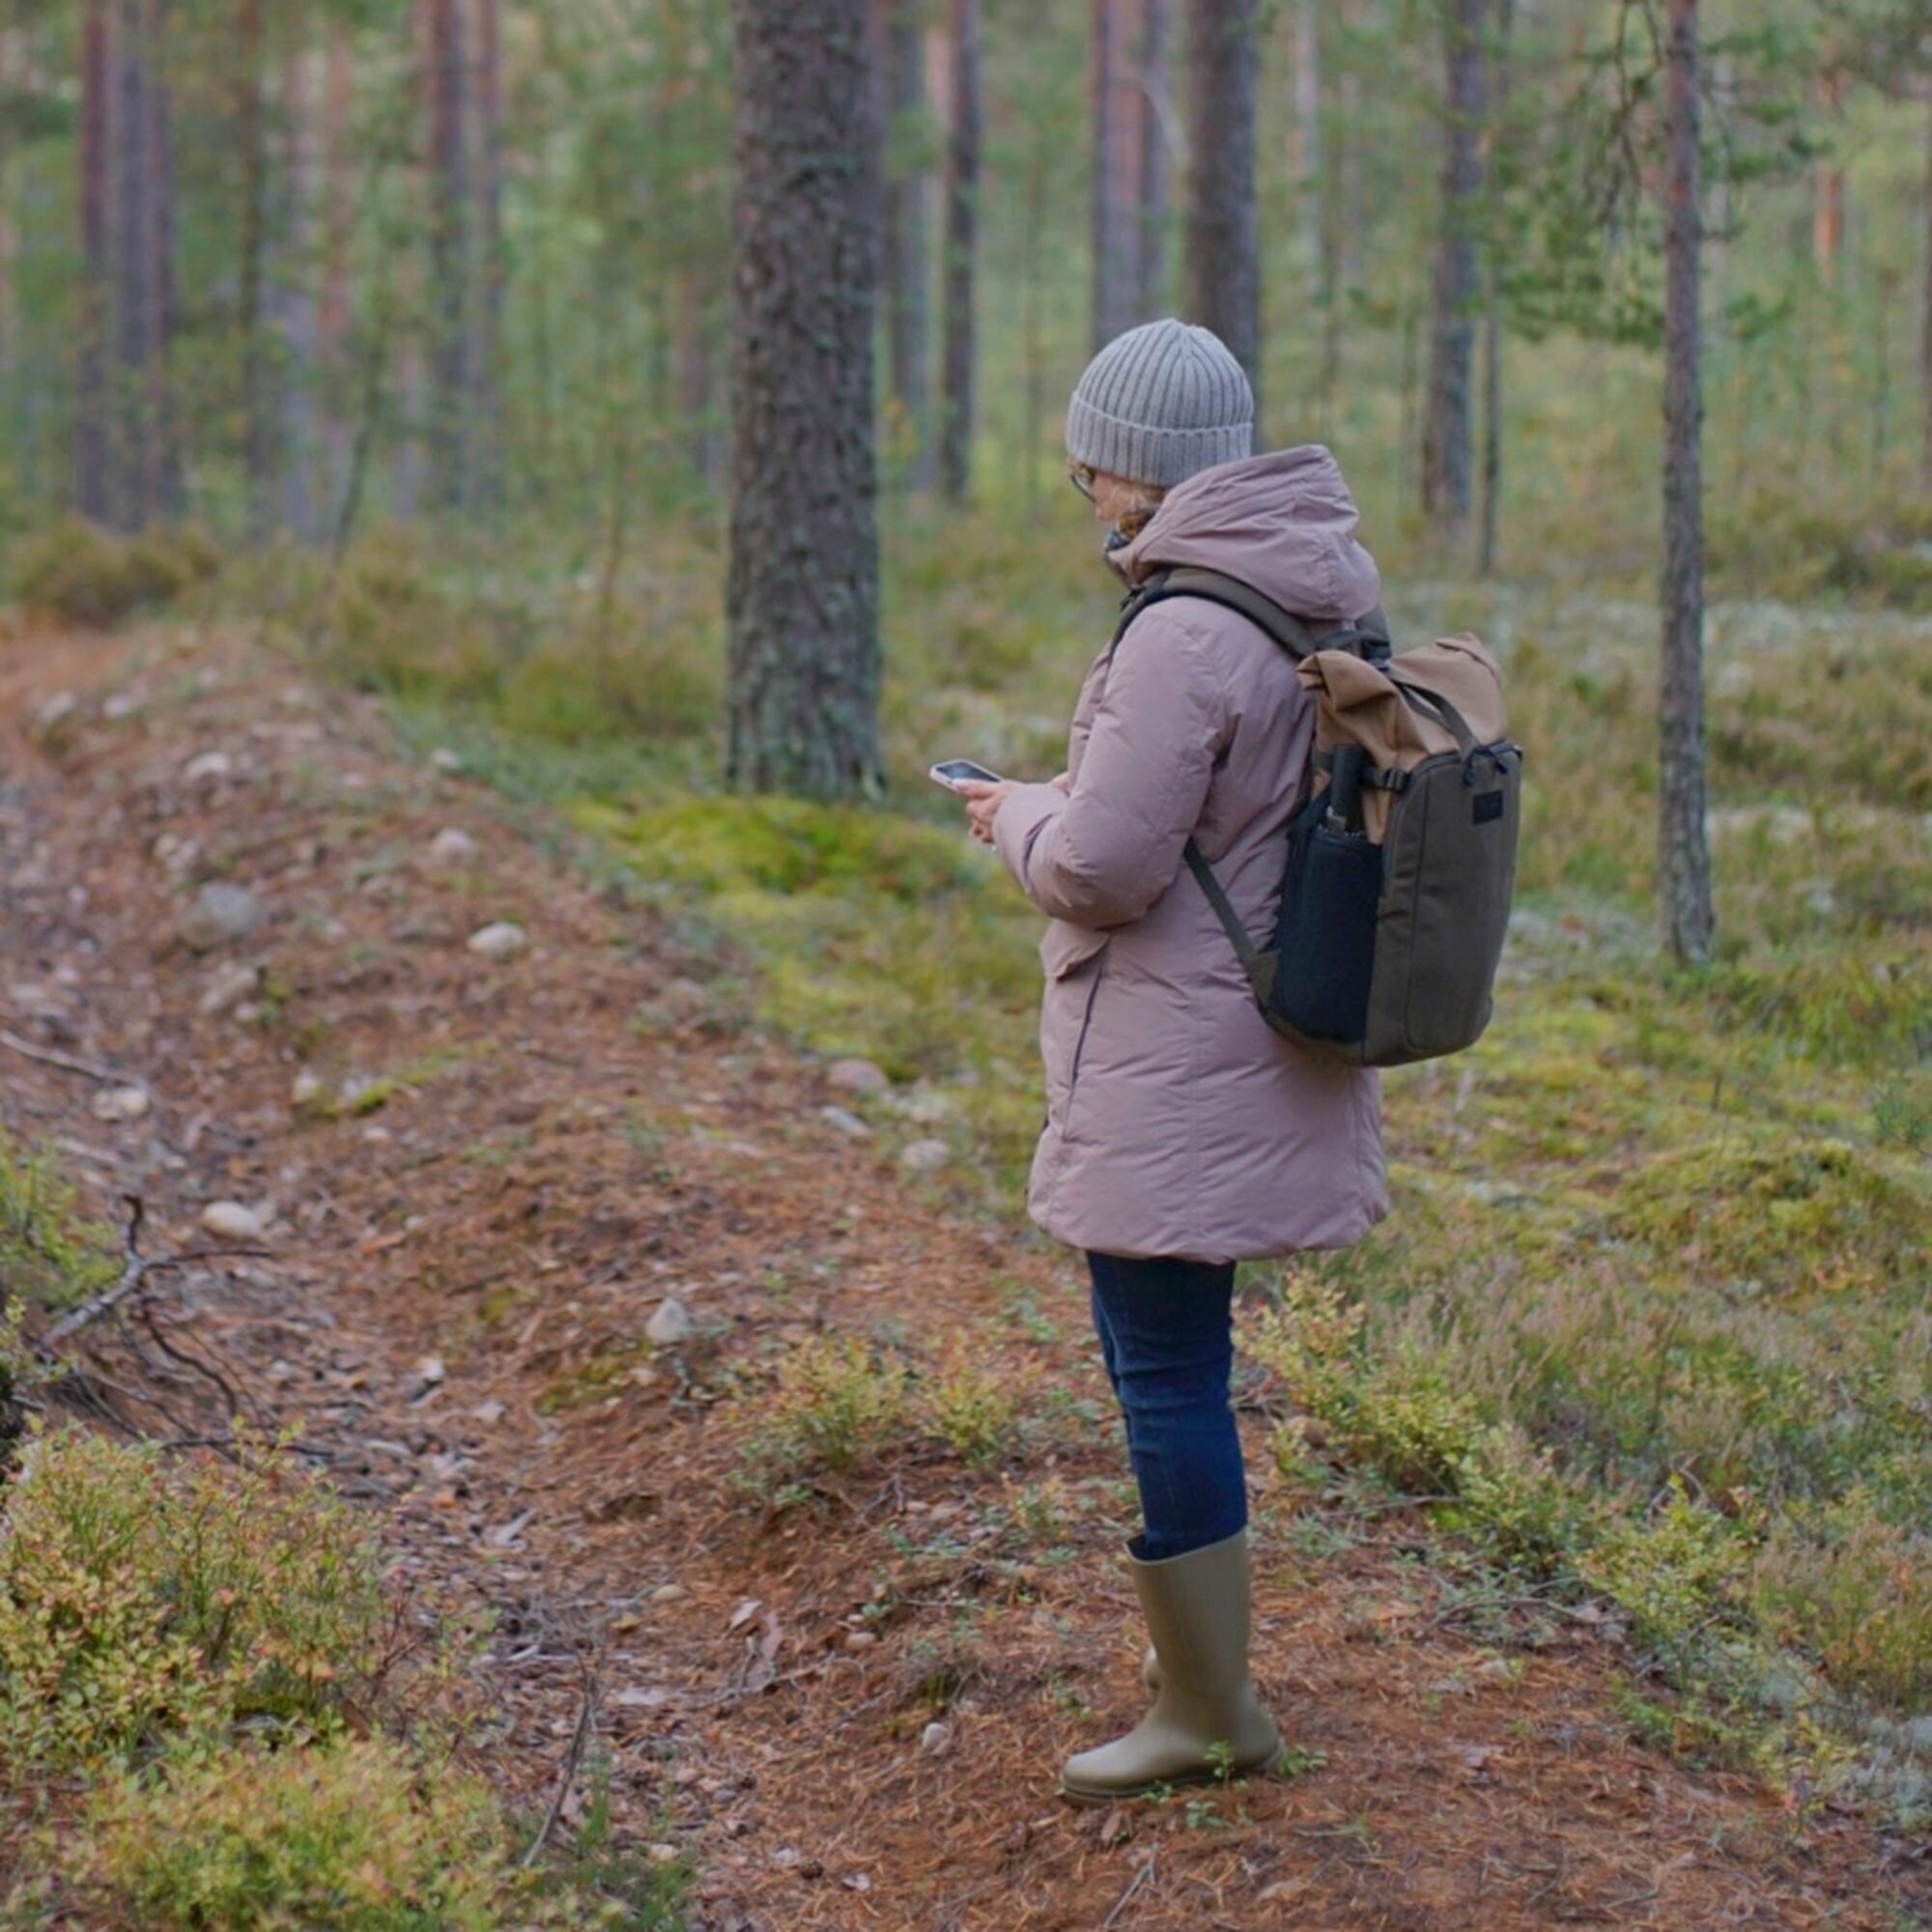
(1182, 1134)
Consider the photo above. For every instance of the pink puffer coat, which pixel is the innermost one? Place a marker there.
(1177, 1123)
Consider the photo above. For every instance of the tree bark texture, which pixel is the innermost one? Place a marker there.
(167, 490)
(1684, 859)
(133, 313)
(332, 316)
(1926, 336)
(962, 208)
(450, 358)
(258, 432)
(1223, 242)
(802, 584)
(1828, 188)
(1154, 109)
(1446, 444)
(901, 50)
(1114, 225)
(93, 441)
(293, 302)
(1304, 151)
(1492, 318)
(488, 374)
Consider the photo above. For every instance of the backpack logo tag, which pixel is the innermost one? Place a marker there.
(1489, 807)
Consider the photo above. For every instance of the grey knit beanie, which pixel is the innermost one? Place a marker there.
(1159, 403)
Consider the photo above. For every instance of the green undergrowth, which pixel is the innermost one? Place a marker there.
(215, 1709)
(1658, 1264)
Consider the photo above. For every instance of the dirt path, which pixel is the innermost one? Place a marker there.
(508, 1164)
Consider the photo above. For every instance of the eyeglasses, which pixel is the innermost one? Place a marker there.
(1081, 479)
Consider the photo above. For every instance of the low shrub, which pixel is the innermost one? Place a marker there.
(51, 1252)
(355, 1836)
(142, 1600)
(836, 1399)
(1855, 1592)
(81, 574)
(1677, 1574)
(970, 1404)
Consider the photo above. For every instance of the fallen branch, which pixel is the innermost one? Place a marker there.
(1134, 1884)
(572, 1758)
(66, 1062)
(135, 1267)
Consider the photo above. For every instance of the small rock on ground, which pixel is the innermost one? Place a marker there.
(924, 1157)
(218, 914)
(504, 938)
(856, 1076)
(670, 1324)
(451, 846)
(229, 986)
(121, 1103)
(230, 1221)
(846, 1122)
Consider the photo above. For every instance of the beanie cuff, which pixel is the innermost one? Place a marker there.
(1142, 454)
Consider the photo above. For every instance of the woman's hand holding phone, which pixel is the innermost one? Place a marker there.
(983, 805)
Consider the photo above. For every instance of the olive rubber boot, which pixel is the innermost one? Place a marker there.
(1195, 1607)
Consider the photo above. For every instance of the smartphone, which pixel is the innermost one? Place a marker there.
(956, 772)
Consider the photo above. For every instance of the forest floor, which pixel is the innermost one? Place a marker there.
(471, 1221)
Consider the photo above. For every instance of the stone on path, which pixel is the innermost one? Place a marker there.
(453, 846)
(218, 914)
(229, 985)
(230, 1221)
(924, 1157)
(670, 1324)
(856, 1076)
(121, 1103)
(846, 1122)
(502, 940)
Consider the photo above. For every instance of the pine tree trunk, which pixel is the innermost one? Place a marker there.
(907, 266)
(258, 435)
(962, 199)
(802, 587)
(332, 317)
(132, 310)
(1223, 221)
(449, 254)
(1304, 153)
(1684, 859)
(9, 241)
(1117, 168)
(1828, 190)
(167, 490)
(1493, 319)
(297, 329)
(1446, 445)
(489, 373)
(93, 440)
(1153, 95)
(1926, 336)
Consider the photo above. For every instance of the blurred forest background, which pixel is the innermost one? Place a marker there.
(419, 347)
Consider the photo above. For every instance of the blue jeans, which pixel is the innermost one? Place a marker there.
(1165, 1331)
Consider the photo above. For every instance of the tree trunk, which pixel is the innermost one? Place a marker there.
(1223, 225)
(332, 317)
(9, 241)
(1154, 109)
(1828, 188)
(93, 441)
(489, 371)
(802, 587)
(693, 322)
(168, 487)
(1304, 147)
(1493, 319)
(133, 312)
(449, 253)
(902, 51)
(1684, 859)
(962, 198)
(1445, 435)
(258, 435)
(1116, 169)
(1926, 336)
(293, 300)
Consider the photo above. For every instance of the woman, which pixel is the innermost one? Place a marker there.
(1182, 1134)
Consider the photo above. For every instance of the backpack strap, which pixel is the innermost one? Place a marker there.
(1292, 634)
(1260, 967)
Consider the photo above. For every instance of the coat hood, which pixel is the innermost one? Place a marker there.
(1284, 522)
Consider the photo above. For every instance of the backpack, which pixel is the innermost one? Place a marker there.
(1402, 860)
